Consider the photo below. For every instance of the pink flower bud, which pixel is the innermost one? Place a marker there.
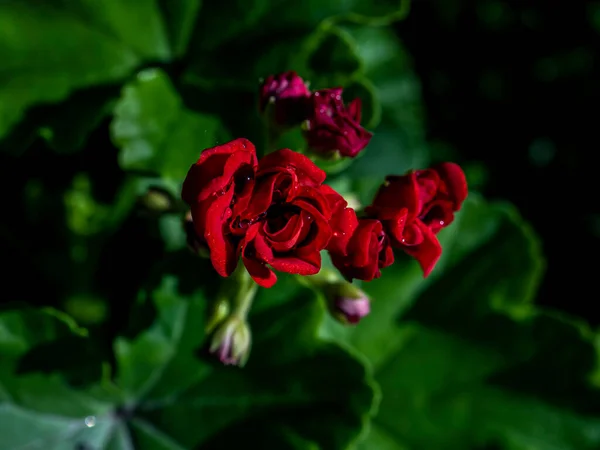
(231, 341)
(286, 96)
(347, 303)
(334, 127)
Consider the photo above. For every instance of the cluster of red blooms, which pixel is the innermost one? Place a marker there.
(276, 213)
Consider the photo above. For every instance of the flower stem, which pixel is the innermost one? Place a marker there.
(246, 290)
(271, 138)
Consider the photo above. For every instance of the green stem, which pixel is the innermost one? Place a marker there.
(271, 138)
(320, 280)
(246, 290)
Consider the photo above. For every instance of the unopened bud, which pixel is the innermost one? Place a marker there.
(231, 341)
(284, 99)
(347, 303)
(157, 200)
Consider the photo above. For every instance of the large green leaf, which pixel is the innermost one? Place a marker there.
(40, 411)
(283, 394)
(180, 18)
(155, 132)
(222, 22)
(50, 48)
(297, 391)
(464, 360)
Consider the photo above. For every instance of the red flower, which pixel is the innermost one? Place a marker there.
(216, 187)
(288, 94)
(332, 126)
(359, 248)
(287, 221)
(415, 207)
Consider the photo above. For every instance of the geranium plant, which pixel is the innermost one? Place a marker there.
(223, 227)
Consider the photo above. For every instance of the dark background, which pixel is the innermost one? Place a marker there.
(515, 85)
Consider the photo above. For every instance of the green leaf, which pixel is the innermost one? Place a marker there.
(155, 132)
(21, 330)
(463, 358)
(283, 398)
(276, 397)
(39, 411)
(50, 49)
(180, 17)
(220, 22)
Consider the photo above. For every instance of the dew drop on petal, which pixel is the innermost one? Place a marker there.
(442, 223)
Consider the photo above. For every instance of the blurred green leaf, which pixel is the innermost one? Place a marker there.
(467, 365)
(51, 48)
(220, 22)
(154, 131)
(179, 19)
(275, 398)
(39, 411)
(297, 391)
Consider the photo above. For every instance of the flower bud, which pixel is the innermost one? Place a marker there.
(284, 99)
(332, 128)
(156, 200)
(231, 341)
(347, 303)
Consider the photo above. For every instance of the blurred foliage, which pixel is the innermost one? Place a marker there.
(103, 313)
(505, 88)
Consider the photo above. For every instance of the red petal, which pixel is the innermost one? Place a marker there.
(263, 250)
(286, 238)
(354, 109)
(285, 158)
(222, 252)
(362, 242)
(213, 171)
(455, 179)
(343, 225)
(260, 273)
(428, 252)
(308, 264)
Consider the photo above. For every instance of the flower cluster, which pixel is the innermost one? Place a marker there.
(276, 213)
(330, 126)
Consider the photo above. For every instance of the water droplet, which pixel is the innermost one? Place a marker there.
(442, 223)
(309, 217)
(336, 234)
(317, 94)
(90, 421)
(338, 97)
(403, 241)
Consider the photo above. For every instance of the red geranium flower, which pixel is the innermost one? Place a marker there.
(414, 207)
